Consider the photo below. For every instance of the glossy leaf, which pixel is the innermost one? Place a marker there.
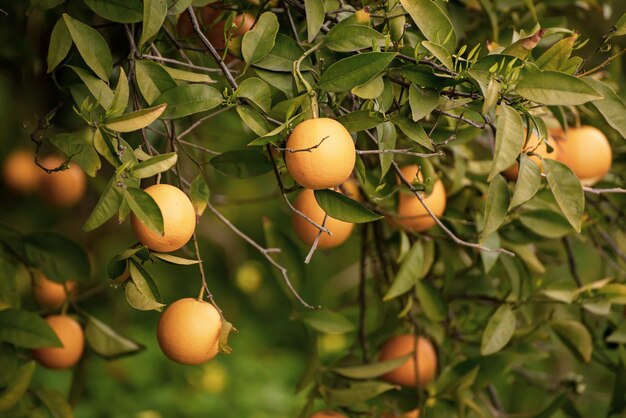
(499, 331)
(360, 120)
(121, 11)
(259, 41)
(98, 88)
(141, 291)
(352, 37)
(153, 80)
(314, 11)
(497, 205)
(108, 204)
(120, 97)
(282, 55)
(409, 272)
(172, 259)
(509, 140)
(257, 91)
(528, 181)
(432, 21)
(91, 46)
(567, 191)
(26, 329)
(422, 101)
(184, 75)
(440, 52)
(188, 99)
(414, 132)
(354, 71)
(554, 88)
(136, 120)
(343, 208)
(155, 165)
(145, 208)
(154, 14)
(60, 45)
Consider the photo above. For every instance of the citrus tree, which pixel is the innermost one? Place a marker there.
(463, 159)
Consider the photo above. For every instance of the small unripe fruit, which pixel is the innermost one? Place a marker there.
(72, 339)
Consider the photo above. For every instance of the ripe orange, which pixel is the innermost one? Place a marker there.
(20, 172)
(179, 219)
(538, 147)
(71, 335)
(350, 188)
(306, 203)
(328, 414)
(49, 294)
(425, 356)
(189, 331)
(587, 151)
(330, 159)
(411, 212)
(62, 188)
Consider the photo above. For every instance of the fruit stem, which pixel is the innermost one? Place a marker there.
(315, 111)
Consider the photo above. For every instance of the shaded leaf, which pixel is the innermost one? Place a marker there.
(343, 208)
(108, 343)
(509, 140)
(188, 99)
(555, 88)
(145, 208)
(354, 70)
(314, 11)
(499, 331)
(91, 46)
(567, 191)
(259, 41)
(528, 181)
(575, 336)
(242, 163)
(432, 22)
(326, 321)
(497, 205)
(26, 329)
(409, 272)
(60, 44)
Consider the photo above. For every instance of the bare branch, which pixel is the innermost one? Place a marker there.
(181, 63)
(309, 256)
(405, 151)
(602, 191)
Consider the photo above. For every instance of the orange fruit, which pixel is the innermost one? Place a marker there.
(587, 151)
(412, 414)
(50, 294)
(538, 147)
(306, 203)
(330, 158)
(62, 188)
(179, 219)
(189, 331)
(350, 188)
(20, 172)
(328, 414)
(72, 338)
(411, 213)
(425, 356)
(213, 20)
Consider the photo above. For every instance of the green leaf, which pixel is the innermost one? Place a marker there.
(326, 321)
(42, 5)
(253, 120)
(422, 101)
(431, 301)
(145, 208)
(575, 336)
(620, 27)
(17, 387)
(106, 342)
(356, 393)
(257, 91)
(60, 45)
(155, 165)
(509, 140)
(555, 88)
(497, 205)
(79, 145)
(55, 402)
(26, 329)
(440, 52)
(136, 120)
(91, 46)
(288, 257)
(387, 137)
(59, 258)
(154, 14)
(349, 38)
(499, 330)
(432, 22)
(373, 370)
(172, 259)
(103, 144)
(557, 55)
(141, 291)
(343, 208)
(413, 131)
(242, 163)
(120, 11)
(524, 46)
(184, 75)
(489, 258)
(409, 272)
(567, 191)
(360, 120)
(612, 107)
(315, 14)
(281, 57)
(98, 88)
(528, 181)
(199, 194)
(354, 71)
(153, 80)
(189, 99)
(372, 89)
(108, 204)
(180, 6)
(259, 41)
(120, 97)
(546, 223)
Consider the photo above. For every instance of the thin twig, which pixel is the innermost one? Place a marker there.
(309, 256)
(309, 149)
(601, 191)
(181, 63)
(200, 122)
(406, 151)
(461, 118)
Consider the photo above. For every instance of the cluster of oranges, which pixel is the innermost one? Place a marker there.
(60, 188)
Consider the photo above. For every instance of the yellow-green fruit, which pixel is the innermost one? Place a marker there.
(587, 151)
(189, 331)
(72, 339)
(423, 359)
(320, 154)
(179, 219)
(411, 212)
(306, 203)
